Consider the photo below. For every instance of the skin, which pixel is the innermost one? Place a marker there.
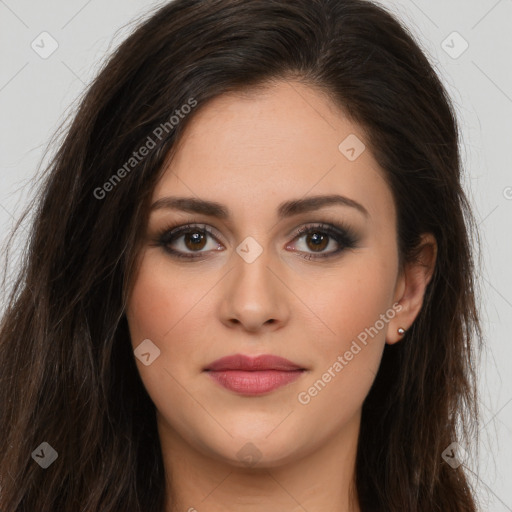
(251, 152)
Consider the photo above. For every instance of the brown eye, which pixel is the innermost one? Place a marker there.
(195, 240)
(187, 242)
(318, 241)
(190, 242)
(318, 238)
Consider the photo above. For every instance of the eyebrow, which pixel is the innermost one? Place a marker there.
(285, 209)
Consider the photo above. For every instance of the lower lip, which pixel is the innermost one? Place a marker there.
(254, 382)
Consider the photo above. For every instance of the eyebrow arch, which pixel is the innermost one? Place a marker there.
(286, 209)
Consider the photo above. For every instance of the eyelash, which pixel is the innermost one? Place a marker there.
(342, 235)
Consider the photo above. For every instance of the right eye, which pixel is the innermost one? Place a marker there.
(194, 239)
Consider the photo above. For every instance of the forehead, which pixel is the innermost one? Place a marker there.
(264, 146)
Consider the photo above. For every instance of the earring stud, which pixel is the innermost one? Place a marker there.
(401, 331)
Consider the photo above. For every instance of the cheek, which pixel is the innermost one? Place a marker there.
(352, 300)
(356, 310)
(162, 303)
(161, 308)
(173, 311)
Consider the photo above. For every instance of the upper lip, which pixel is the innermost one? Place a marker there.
(248, 363)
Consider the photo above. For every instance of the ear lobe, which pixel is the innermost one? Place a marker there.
(412, 285)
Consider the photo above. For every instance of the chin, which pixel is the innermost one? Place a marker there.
(260, 451)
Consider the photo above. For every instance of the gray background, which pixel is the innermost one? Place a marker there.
(36, 95)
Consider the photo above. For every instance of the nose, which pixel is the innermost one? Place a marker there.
(254, 294)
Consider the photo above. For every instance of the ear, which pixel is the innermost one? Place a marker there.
(410, 287)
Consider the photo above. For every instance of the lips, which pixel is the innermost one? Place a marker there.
(253, 375)
(247, 363)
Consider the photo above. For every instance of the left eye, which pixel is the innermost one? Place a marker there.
(318, 237)
(194, 239)
(316, 240)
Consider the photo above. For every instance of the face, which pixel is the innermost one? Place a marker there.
(282, 272)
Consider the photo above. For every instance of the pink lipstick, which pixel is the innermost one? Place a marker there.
(253, 375)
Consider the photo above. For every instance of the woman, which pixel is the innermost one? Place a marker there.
(249, 283)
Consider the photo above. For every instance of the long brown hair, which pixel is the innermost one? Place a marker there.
(68, 376)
